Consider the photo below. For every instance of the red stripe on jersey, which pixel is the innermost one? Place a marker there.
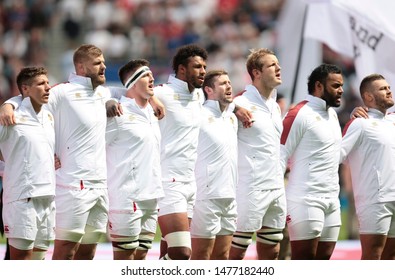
(289, 119)
(60, 84)
(81, 184)
(347, 126)
(239, 94)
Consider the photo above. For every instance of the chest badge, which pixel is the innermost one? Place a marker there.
(22, 119)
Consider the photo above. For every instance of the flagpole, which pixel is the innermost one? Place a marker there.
(300, 53)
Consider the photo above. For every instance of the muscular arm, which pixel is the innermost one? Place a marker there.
(7, 115)
(292, 135)
(351, 138)
(244, 116)
(158, 107)
(7, 110)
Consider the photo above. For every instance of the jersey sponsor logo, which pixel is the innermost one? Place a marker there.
(21, 119)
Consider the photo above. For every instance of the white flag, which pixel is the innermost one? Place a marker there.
(361, 29)
(298, 56)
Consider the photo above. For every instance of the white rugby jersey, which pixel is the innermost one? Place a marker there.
(133, 156)
(179, 129)
(310, 144)
(259, 146)
(368, 147)
(216, 165)
(28, 149)
(80, 126)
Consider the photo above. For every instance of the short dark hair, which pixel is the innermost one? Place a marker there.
(209, 79)
(185, 52)
(367, 82)
(131, 66)
(27, 74)
(320, 74)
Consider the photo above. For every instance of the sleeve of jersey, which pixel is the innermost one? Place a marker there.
(3, 133)
(160, 92)
(117, 92)
(351, 138)
(55, 97)
(14, 101)
(240, 101)
(294, 127)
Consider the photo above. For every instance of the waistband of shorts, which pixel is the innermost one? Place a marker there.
(85, 184)
(180, 180)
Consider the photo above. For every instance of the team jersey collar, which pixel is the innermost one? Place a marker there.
(131, 103)
(374, 113)
(252, 88)
(319, 102)
(84, 81)
(27, 108)
(214, 105)
(182, 87)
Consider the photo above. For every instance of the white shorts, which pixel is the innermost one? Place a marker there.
(77, 208)
(143, 218)
(30, 219)
(179, 198)
(377, 218)
(213, 217)
(260, 208)
(313, 217)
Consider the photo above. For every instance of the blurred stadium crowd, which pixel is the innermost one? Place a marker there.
(46, 31)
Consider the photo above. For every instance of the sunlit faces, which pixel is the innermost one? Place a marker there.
(221, 91)
(94, 68)
(143, 88)
(270, 74)
(382, 94)
(195, 72)
(333, 90)
(38, 91)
